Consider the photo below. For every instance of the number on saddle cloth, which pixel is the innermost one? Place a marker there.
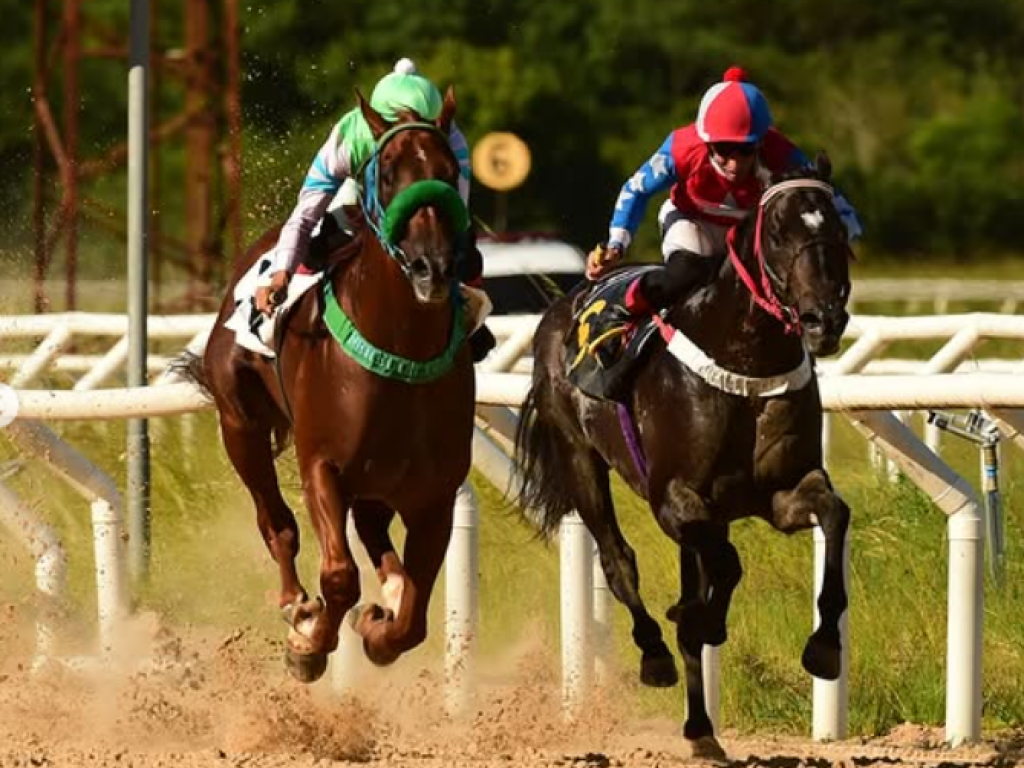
(604, 343)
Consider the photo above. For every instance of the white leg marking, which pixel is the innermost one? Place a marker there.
(391, 590)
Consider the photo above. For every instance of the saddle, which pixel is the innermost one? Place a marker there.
(604, 342)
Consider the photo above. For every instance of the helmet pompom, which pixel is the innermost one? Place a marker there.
(734, 75)
(405, 66)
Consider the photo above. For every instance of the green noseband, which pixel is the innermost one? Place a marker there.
(417, 195)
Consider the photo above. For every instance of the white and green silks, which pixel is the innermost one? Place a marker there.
(349, 144)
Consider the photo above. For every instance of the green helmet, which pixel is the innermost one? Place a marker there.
(403, 89)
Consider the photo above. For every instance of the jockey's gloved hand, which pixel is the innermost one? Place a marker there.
(269, 297)
(602, 258)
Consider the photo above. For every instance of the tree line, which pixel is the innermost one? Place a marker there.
(918, 102)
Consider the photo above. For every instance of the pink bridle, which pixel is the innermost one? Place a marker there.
(766, 297)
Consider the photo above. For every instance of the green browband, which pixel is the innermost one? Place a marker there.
(382, 362)
(417, 195)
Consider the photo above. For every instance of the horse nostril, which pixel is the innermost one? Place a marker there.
(811, 321)
(420, 267)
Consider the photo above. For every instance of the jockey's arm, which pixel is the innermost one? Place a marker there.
(656, 175)
(460, 147)
(329, 169)
(472, 267)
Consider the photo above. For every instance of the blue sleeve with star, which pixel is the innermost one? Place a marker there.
(654, 176)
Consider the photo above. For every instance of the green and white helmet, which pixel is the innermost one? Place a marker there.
(406, 89)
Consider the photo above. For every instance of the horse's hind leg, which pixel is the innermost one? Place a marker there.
(814, 498)
(248, 445)
(592, 491)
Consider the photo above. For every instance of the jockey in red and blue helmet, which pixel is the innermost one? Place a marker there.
(715, 170)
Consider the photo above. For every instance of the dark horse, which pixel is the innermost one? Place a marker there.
(373, 440)
(711, 452)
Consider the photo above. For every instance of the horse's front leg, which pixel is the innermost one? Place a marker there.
(814, 500)
(314, 632)
(709, 572)
(372, 522)
(387, 635)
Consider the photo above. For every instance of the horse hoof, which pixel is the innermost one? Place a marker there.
(305, 667)
(707, 748)
(658, 671)
(379, 657)
(822, 658)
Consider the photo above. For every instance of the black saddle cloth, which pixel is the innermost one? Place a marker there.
(605, 343)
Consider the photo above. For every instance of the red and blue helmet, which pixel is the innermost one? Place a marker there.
(733, 110)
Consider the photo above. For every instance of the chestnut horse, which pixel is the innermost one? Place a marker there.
(706, 448)
(376, 386)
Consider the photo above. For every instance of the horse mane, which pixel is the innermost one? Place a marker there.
(820, 168)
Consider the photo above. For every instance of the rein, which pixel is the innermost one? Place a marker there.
(388, 222)
(766, 296)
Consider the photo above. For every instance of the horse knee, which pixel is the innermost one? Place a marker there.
(812, 502)
(724, 567)
(834, 516)
(284, 543)
(340, 581)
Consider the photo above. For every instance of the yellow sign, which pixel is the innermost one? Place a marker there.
(501, 161)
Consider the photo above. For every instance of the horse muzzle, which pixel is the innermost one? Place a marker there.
(430, 284)
(823, 329)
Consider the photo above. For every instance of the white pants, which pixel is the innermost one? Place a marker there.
(679, 231)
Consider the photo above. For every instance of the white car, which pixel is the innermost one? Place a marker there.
(523, 274)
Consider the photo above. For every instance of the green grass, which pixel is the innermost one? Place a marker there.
(209, 568)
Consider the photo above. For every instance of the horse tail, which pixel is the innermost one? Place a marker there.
(543, 462)
(188, 366)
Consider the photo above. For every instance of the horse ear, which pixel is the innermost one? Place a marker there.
(824, 166)
(378, 125)
(444, 120)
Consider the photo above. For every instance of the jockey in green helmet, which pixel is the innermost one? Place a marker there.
(348, 146)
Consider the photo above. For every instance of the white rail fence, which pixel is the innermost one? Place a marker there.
(860, 384)
(936, 293)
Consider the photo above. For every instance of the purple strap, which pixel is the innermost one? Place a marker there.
(632, 440)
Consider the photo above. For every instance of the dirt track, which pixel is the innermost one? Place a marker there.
(226, 702)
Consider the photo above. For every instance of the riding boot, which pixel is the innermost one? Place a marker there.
(470, 263)
(470, 271)
(481, 342)
(328, 240)
(655, 290)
